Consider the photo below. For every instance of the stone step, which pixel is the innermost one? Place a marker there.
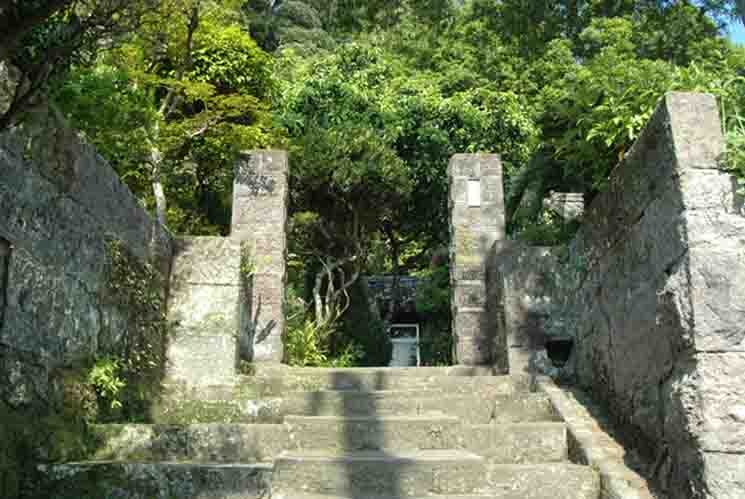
(542, 481)
(107, 480)
(375, 380)
(300, 495)
(248, 443)
(377, 472)
(521, 408)
(268, 370)
(223, 443)
(516, 443)
(470, 408)
(476, 400)
(494, 494)
(349, 433)
(184, 411)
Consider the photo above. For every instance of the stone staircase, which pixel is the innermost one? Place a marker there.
(448, 433)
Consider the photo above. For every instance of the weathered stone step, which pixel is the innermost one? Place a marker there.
(542, 481)
(225, 443)
(369, 380)
(376, 472)
(476, 400)
(183, 411)
(247, 443)
(413, 372)
(300, 495)
(154, 481)
(521, 408)
(470, 408)
(495, 494)
(516, 443)
(349, 433)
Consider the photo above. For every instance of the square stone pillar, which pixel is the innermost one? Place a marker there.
(260, 223)
(477, 222)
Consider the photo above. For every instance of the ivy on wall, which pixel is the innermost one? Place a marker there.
(127, 380)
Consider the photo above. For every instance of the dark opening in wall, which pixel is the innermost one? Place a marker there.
(4, 271)
(559, 351)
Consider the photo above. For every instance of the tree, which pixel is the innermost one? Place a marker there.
(43, 38)
(371, 140)
(345, 174)
(208, 88)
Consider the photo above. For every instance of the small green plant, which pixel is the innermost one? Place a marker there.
(307, 345)
(248, 265)
(349, 356)
(105, 378)
(733, 124)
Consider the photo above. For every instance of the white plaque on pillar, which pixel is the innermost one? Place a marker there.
(474, 193)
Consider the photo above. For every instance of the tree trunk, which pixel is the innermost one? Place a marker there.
(161, 205)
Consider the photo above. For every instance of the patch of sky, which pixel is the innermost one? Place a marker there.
(736, 32)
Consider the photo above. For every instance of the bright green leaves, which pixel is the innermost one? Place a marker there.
(229, 60)
(105, 378)
(116, 115)
(190, 84)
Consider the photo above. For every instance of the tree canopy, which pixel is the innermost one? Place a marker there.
(371, 98)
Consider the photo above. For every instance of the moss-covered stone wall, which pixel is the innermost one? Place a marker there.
(67, 299)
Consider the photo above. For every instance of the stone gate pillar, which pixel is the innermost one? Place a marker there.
(259, 222)
(477, 222)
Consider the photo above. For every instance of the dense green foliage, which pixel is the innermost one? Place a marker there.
(433, 302)
(372, 98)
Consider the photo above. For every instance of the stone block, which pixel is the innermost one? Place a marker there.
(205, 309)
(473, 351)
(465, 165)
(467, 271)
(202, 359)
(471, 322)
(206, 261)
(725, 475)
(696, 129)
(721, 378)
(470, 295)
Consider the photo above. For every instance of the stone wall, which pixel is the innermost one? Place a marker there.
(525, 289)
(61, 205)
(651, 288)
